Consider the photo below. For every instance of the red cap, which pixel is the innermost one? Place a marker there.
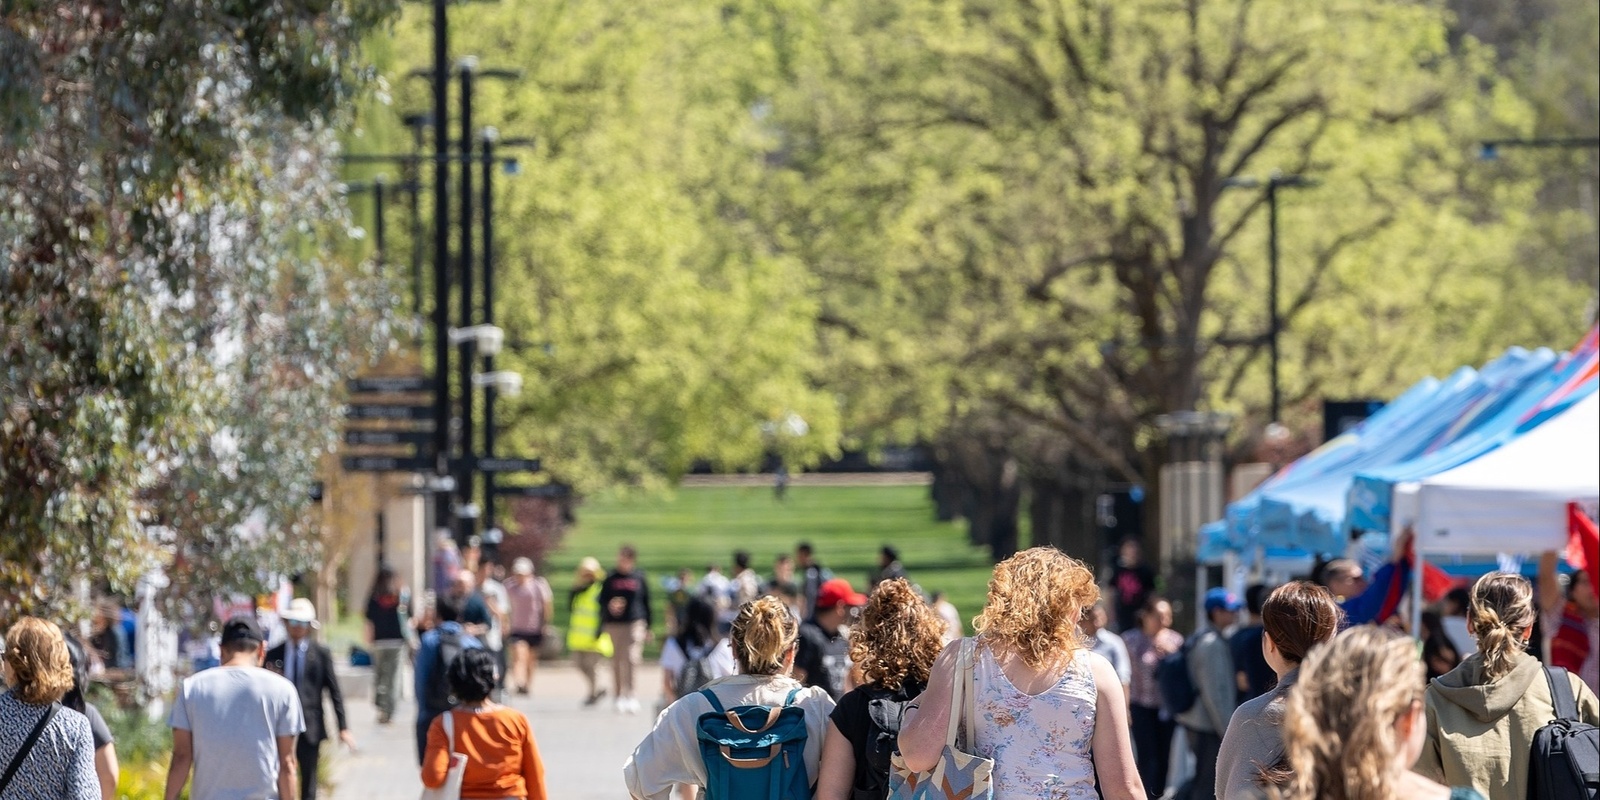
(836, 591)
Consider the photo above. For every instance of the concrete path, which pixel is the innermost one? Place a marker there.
(583, 749)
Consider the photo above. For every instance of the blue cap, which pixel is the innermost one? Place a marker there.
(1222, 598)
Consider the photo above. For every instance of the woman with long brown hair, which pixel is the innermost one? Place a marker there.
(1295, 618)
(46, 750)
(1482, 715)
(1050, 713)
(893, 646)
(1353, 723)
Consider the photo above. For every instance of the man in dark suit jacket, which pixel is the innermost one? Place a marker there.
(309, 666)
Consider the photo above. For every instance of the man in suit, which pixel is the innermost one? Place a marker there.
(309, 666)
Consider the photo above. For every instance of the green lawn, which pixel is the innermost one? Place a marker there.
(694, 527)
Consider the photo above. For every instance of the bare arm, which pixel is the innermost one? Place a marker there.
(105, 764)
(922, 735)
(182, 762)
(1549, 584)
(838, 770)
(288, 769)
(1112, 748)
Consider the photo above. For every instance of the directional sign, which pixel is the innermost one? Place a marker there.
(379, 438)
(386, 464)
(390, 412)
(548, 490)
(415, 383)
(487, 464)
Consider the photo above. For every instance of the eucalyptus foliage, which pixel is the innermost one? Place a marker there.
(173, 324)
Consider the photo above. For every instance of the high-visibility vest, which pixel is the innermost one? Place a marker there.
(583, 629)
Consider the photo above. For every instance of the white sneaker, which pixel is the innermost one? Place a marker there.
(633, 706)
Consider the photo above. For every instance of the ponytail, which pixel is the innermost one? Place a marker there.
(1501, 611)
(762, 635)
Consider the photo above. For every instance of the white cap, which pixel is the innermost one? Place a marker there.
(522, 566)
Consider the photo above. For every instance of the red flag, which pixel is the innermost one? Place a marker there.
(1583, 543)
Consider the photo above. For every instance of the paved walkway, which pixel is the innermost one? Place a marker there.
(583, 749)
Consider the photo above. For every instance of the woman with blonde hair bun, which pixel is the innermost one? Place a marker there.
(1482, 715)
(47, 751)
(1353, 724)
(763, 640)
(1049, 712)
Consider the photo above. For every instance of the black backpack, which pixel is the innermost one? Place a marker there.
(885, 712)
(696, 672)
(1565, 761)
(1178, 692)
(437, 696)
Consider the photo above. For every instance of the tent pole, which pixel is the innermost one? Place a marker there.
(1417, 570)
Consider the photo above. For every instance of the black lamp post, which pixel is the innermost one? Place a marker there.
(488, 140)
(1274, 324)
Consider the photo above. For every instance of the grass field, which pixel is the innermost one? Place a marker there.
(846, 525)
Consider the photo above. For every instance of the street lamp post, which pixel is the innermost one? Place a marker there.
(441, 252)
(413, 172)
(488, 139)
(1274, 323)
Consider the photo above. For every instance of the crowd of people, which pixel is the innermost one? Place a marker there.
(797, 685)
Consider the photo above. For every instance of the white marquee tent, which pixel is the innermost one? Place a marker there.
(1514, 499)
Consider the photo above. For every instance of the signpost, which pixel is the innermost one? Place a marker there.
(399, 385)
(387, 438)
(386, 464)
(389, 412)
(492, 464)
(547, 490)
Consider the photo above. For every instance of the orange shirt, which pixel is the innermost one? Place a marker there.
(502, 760)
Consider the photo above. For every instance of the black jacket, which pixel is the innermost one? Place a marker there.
(316, 677)
(634, 589)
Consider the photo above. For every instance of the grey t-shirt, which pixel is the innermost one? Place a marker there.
(236, 715)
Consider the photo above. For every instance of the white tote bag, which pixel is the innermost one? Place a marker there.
(451, 790)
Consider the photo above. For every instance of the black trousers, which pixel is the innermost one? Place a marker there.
(308, 755)
(1152, 745)
(1205, 746)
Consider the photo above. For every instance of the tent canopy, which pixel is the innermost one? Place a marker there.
(1514, 499)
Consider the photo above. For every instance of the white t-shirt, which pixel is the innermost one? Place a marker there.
(495, 596)
(236, 715)
(720, 659)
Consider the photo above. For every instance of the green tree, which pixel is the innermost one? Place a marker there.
(652, 317)
(1026, 209)
(173, 326)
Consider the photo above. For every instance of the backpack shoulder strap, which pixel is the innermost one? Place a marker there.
(27, 746)
(1561, 693)
(712, 697)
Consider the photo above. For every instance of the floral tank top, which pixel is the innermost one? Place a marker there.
(1040, 743)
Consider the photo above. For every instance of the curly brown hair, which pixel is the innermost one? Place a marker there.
(897, 638)
(1035, 598)
(40, 665)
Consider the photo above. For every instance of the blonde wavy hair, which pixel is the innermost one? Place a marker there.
(762, 634)
(897, 638)
(1500, 611)
(1035, 598)
(1339, 722)
(40, 665)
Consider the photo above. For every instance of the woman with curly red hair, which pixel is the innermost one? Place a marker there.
(893, 646)
(1049, 712)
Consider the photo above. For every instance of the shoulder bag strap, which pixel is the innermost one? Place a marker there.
(27, 746)
(712, 698)
(793, 693)
(1561, 693)
(969, 681)
(958, 687)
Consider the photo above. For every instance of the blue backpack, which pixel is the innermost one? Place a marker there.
(1177, 686)
(754, 752)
